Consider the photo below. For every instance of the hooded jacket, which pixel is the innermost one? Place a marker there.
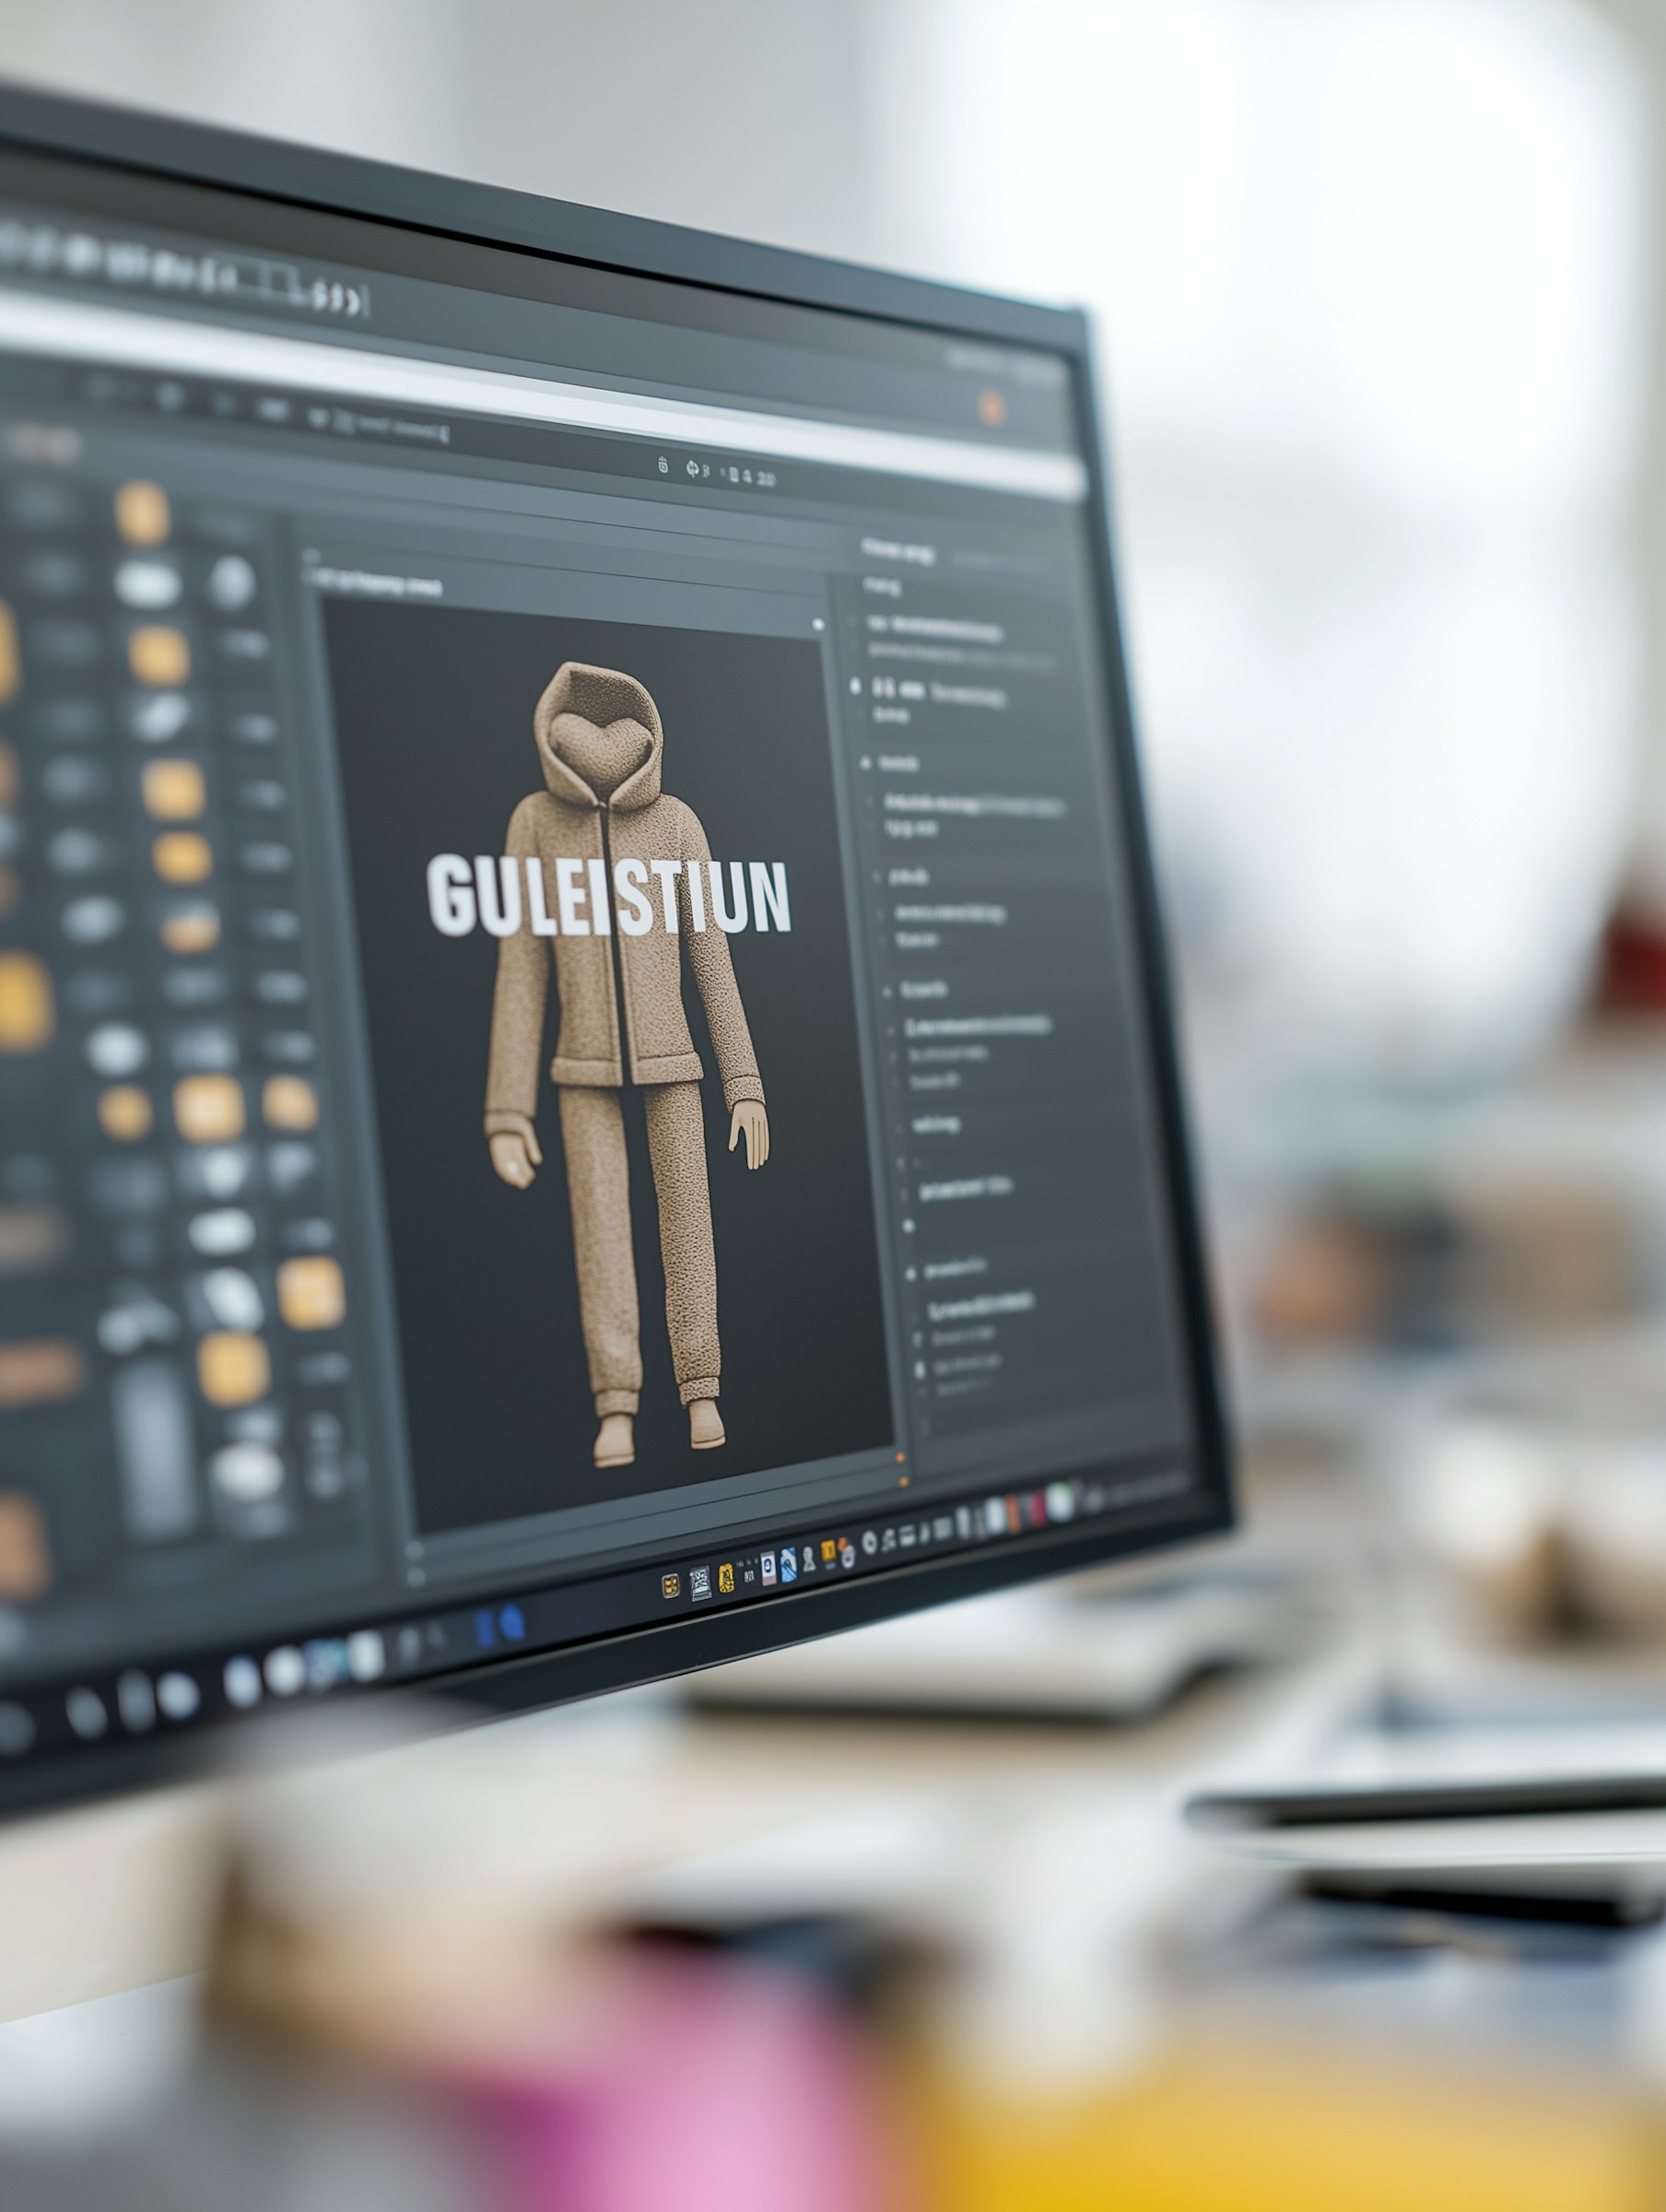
(600, 745)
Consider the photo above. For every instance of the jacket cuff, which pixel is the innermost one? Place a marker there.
(500, 1121)
(740, 1089)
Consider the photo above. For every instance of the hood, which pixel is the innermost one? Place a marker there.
(599, 739)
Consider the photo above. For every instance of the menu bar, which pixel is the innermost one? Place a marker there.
(164, 344)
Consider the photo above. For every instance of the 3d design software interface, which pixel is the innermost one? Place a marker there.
(571, 1049)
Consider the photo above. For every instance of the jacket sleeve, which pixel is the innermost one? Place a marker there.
(707, 951)
(523, 966)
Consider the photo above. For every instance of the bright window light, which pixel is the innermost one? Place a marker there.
(1373, 282)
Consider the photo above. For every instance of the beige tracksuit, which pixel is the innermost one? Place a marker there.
(600, 743)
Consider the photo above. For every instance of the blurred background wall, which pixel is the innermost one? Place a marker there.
(1378, 289)
(1376, 282)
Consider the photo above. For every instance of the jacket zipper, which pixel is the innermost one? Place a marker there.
(612, 945)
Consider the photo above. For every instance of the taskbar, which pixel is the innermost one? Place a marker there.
(175, 1697)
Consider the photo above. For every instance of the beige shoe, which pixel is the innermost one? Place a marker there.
(617, 1441)
(705, 1426)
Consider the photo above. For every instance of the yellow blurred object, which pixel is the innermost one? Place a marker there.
(125, 1113)
(192, 929)
(1236, 2129)
(182, 857)
(289, 1102)
(25, 1554)
(141, 514)
(11, 660)
(26, 1016)
(40, 1372)
(209, 1110)
(233, 1369)
(158, 654)
(174, 790)
(11, 782)
(310, 1294)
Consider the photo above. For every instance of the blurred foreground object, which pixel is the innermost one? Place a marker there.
(414, 2002)
(402, 1921)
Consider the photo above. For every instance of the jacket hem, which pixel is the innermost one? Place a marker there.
(670, 1067)
(586, 1074)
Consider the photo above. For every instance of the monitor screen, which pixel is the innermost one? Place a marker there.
(581, 1043)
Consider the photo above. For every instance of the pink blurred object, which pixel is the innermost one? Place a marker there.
(711, 2082)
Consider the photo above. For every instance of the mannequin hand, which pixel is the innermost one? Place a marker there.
(749, 1119)
(516, 1157)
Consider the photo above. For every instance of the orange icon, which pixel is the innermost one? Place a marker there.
(182, 857)
(158, 654)
(142, 514)
(209, 1110)
(174, 790)
(232, 1368)
(309, 1292)
(289, 1102)
(26, 1016)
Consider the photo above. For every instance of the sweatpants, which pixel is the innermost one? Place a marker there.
(598, 1185)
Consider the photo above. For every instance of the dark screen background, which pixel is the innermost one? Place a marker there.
(433, 711)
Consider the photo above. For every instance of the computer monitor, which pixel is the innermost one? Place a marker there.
(586, 1083)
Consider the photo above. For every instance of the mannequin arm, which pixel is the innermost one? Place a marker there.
(750, 1121)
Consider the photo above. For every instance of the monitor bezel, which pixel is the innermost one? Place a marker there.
(125, 139)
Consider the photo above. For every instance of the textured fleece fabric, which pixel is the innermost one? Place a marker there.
(592, 1136)
(600, 745)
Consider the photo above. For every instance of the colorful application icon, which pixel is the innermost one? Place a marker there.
(327, 1658)
(869, 1541)
(726, 1580)
(788, 1564)
(1060, 1501)
(766, 1567)
(699, 1582)
(847, 1555)
(512, 1621)
(671, 1585)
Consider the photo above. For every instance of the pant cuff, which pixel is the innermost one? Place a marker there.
(704, 1386)
(616, 1401)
